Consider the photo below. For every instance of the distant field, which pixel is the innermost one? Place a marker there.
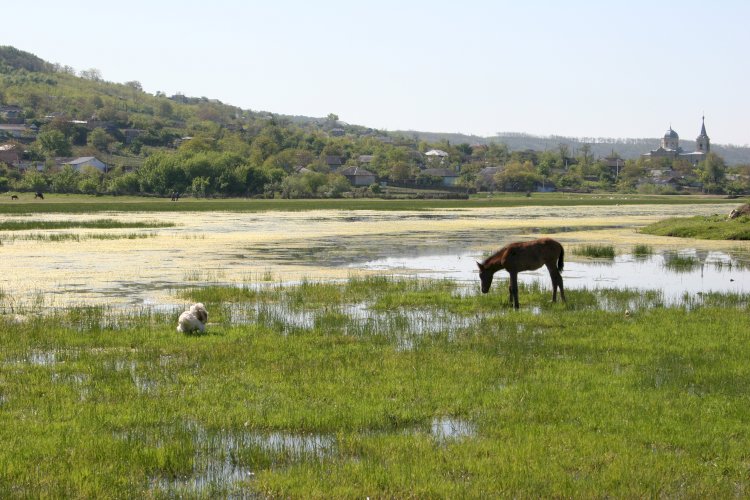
(85, 204)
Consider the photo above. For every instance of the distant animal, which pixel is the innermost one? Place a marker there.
(14, 197)
(525, 256)
(192, 320)
(741, 210)
(38, 194)
(175, 196)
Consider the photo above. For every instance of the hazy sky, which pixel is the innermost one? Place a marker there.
(575, 68)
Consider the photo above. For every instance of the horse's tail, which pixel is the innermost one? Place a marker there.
(560, 262)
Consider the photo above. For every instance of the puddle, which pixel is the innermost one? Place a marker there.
(218, 456)
(447, 429)
(406, 325)
(40, 358)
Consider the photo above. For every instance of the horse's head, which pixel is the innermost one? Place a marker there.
(485, 275)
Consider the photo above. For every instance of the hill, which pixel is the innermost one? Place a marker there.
(600, 146)
(52, 119)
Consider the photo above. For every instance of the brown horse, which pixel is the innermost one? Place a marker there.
(525, 256)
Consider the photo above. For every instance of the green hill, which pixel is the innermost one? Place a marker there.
(157, 144)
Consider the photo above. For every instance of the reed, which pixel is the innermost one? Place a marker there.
(595, 251)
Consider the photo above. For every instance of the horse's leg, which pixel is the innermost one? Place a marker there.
(514, 289)
(552, 273)
(560, 283)
(557, 282)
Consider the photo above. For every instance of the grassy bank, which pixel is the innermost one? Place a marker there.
(81, 204)
(715, 227)
(380, 387)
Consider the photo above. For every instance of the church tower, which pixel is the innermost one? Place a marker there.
(703, 143)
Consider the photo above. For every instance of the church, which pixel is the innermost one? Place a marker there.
(670, 147)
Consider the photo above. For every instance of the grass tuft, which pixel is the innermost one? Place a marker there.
(595, 251)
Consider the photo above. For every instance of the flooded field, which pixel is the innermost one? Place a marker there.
(55, 268)
(330, 368)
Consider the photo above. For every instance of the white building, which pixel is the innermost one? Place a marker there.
(87, 161)
(670, 147)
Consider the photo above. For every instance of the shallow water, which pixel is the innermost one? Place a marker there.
(241, 248)
(711, 271)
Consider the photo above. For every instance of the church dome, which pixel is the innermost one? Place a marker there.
(671, 134)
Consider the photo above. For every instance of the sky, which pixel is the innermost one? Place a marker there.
(579, 68)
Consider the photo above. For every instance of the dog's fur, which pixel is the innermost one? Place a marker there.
(193, 319)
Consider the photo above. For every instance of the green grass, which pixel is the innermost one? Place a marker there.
(23, 225)
(681, 263)
(295, 392)
(642, 250)
(58, 237)
(715, 227)
(56, 203)
(595, 251)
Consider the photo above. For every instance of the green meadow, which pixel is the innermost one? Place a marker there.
(714, 227)
(61, 203)
(379, 387)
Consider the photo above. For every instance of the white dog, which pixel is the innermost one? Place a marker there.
(193, 319)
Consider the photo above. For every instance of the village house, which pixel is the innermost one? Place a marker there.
(333, 162)
(23, 166)
(486, 176)
(448, 175)
(85, 161)
(10, 153)
(436, 156)
(17, 131)
(11, 114)
(358, 176)
(365, 159)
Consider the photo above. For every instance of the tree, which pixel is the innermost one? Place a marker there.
(124, 184)
(518, 177)
(564, 152)
(54, 142)
(400, 172)
(200, 186)
(33, 181)
(66, 180)
(100, 139)
(165, 109)
(712, 172)
(92, 74)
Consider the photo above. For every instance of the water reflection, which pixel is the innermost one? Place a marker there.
(673, 274)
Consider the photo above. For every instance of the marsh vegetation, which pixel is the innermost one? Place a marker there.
(379, 386)
(595, 251)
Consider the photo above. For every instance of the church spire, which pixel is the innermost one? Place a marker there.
(703, 142)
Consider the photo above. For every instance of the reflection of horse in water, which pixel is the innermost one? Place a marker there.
(38, 194)
(525, 256)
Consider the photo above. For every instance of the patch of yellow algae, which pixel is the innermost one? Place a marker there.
(230, 247)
